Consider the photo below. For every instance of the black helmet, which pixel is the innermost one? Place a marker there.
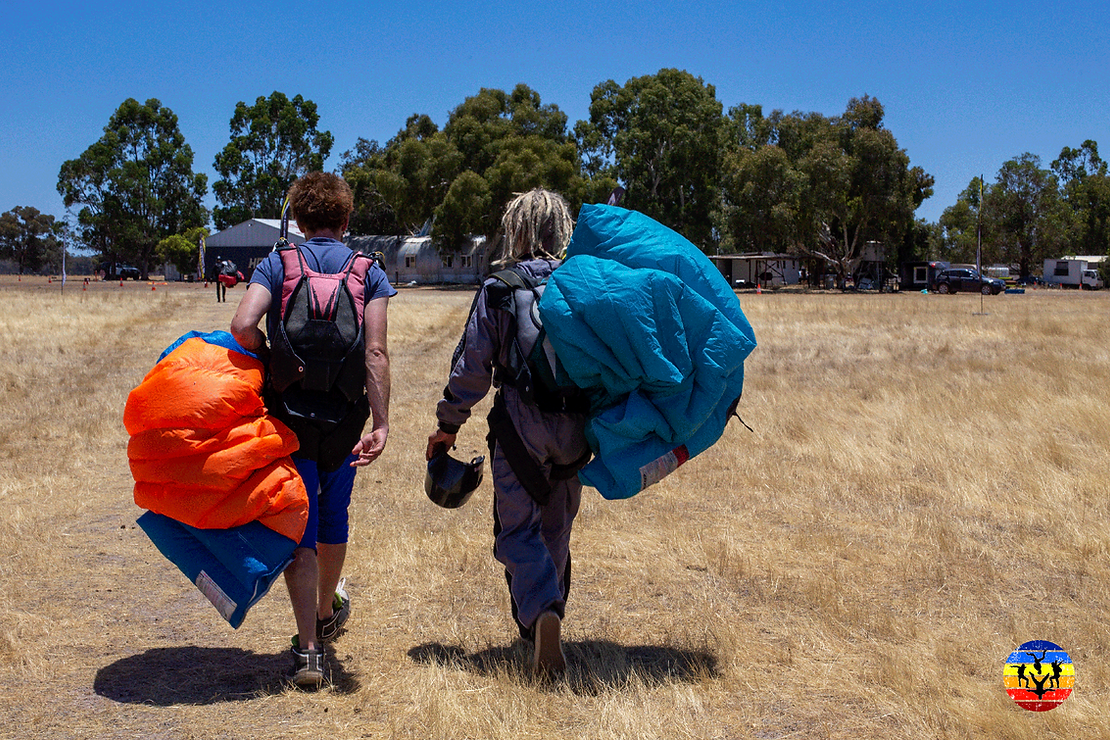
(450, 483)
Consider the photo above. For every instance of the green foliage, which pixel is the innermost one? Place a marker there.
(661, 136)
(808, 184)
(464, 208)
(494, 144)
(273, 142)
(1085, 188)
(182, 250)
(1024, 219)
(135, 185)
(29, 238)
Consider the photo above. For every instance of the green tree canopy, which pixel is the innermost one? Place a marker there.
(959, 225)
(1085, 187)
(1024, 218)
(135, 185)
(29, 238)
(809, 184)
(182, 250)
(494, 144)
(273, 142)
(659, 135)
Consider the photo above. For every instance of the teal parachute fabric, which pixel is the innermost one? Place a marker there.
(642, 319)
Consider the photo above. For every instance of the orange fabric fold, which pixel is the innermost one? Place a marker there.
(203, 450)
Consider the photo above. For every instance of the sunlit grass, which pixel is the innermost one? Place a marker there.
(925, 489)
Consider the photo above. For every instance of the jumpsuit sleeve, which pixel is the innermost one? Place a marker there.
(472, 364)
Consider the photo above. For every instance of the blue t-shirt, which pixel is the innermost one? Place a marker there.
(321, 255)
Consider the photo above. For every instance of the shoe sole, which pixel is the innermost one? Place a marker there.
(309, 679)
(549, 658)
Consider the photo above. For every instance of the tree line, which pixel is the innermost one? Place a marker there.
(740, 180)
(1031, 213)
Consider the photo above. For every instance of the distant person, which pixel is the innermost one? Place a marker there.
(536, 445)
(325, 403)
(221, 288)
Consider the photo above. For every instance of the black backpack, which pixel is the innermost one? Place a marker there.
(317, 363)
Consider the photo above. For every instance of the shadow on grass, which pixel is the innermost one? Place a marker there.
(194, 675)
(593, 666)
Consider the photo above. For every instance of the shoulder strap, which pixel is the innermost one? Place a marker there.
(515, 279)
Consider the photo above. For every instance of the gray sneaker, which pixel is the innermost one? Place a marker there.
(328, 629)
(308, 667)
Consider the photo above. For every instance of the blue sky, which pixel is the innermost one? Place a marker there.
(965, 86)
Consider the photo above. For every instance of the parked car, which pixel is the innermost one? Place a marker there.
(1030, 280)
(965, 279)
(117, 271)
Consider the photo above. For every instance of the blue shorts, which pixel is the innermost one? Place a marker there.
(329, 497)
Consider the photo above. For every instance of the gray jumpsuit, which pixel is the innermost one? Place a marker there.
(531, 541)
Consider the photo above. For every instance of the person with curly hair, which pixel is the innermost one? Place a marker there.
(328, 423)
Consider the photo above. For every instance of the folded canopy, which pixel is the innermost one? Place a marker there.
(642, 319)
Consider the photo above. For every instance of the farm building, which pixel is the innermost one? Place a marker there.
(745, 270)
(246, 244)
(407, 258)
(415, 259)
(919, 275)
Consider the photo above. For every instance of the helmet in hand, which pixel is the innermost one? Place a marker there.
(450, 483)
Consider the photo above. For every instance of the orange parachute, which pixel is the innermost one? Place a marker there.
(203, 450)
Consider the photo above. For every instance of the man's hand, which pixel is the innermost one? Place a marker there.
(370, 447)
(436, 439)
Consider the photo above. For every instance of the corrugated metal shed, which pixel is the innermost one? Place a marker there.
(415, 259)
(247, 244)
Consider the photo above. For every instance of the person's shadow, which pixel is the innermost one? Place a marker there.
(194, 675)
(593, 666)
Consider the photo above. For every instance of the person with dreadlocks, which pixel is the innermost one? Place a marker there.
(537, 443)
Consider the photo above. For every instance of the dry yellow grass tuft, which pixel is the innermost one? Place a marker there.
(925, 489)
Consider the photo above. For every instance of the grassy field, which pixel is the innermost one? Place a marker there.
(926, 488)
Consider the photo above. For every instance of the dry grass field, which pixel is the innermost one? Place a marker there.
(925, 489)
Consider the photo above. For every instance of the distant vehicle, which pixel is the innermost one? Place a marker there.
(1071, 273)
(966, 280)
(1030, 280)
(118, 271)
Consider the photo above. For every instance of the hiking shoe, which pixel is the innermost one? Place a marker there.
(549, 659)
(308, 667)
(327, 629)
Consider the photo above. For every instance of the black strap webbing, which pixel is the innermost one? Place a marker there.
(524, 466)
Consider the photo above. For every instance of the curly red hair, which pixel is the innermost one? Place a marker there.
(321, 200)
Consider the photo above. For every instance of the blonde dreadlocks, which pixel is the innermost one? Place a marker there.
(536, 223)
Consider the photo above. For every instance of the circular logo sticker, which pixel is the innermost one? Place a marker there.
(1039, 676)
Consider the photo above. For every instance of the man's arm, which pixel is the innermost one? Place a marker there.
(377, 382)
(244, 327)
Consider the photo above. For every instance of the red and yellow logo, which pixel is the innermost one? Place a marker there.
(1039, 676)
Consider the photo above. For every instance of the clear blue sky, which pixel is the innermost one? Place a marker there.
(965, 85)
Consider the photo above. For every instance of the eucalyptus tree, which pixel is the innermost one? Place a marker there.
(29, 238)
(960, 225)
(494, 144)
(135, 185)
(1027, 219)
(818, 186)
(660, 136)
(273, 142)
(1085, 187)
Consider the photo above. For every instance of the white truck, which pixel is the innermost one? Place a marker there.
(1071, 273)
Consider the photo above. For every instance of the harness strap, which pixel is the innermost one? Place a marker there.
(524, 466)
(530, 473)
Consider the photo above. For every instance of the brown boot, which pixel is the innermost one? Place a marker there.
(549, 659)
